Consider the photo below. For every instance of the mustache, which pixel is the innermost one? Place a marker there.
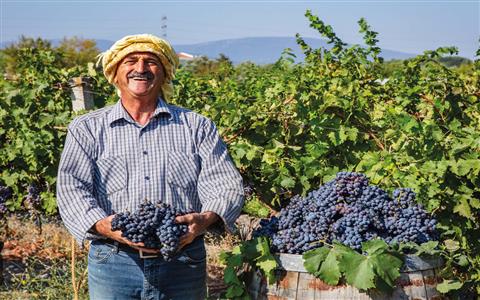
(145, 75)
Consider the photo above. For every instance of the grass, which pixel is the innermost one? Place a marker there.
(44, 279)
(37, 263)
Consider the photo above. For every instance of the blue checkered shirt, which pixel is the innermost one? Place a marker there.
(111, 164)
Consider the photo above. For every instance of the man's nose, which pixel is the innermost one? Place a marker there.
(140, 66)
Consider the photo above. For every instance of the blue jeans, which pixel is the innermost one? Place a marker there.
(117, 274)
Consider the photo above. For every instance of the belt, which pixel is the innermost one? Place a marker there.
(126, 248)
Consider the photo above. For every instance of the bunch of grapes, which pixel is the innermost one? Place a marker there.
(248, 190)
(351, 211)
(349, 186)
(5, 193)
(33, 199)
(154, 225)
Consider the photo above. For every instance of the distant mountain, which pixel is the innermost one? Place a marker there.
(260, 50)
(264, 50)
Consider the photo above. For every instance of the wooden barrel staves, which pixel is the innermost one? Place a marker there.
(418, 280)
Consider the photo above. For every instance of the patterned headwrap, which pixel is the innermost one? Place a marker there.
(142, 43)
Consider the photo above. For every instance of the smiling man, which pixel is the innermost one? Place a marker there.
(144, 148)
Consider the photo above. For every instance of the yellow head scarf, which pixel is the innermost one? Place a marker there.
(142, 43)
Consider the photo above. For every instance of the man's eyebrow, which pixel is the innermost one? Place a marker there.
(145, 58)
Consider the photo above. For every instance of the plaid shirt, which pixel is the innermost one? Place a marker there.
(111, 164)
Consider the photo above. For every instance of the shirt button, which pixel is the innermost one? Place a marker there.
(147, 178)
(145, 152)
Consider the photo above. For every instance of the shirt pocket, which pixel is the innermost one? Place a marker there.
(182, 169)
(111, 175)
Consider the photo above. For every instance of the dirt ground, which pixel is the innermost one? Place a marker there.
(30, 254)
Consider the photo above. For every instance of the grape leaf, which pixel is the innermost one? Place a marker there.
(258, 250)
(268, 264)
(234, 291)
(287, 182)
(230, 276)
(451, 245)
(449, 285)
(330, 271)
(251, 249)
(463, 208)
(462, 260)
(223, 257)
(428, 248)
(235, 260)
(262, 247)
(387, 267)
(313, 259)
(374, 246)
(358, 270)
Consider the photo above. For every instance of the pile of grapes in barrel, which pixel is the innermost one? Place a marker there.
(154, 225)
(350, 211)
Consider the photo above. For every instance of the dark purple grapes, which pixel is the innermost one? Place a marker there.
(5, 193)
(267, 227)
(33, 199)
(248, 190)
(351, 211)
(154, 225)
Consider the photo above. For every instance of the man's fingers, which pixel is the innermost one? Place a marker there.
(185, 239)
(180, 219)
(185, 219)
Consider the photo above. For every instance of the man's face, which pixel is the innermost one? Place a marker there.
(140, 74)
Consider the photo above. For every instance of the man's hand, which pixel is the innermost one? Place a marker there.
(104, 227)
(197, 225)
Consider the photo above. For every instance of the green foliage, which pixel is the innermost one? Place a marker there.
(34, 107)
(254, 253)
(12, 54)
(378, 268)
(448, 285)
(254, 207)
(203, 66)
(454, 61)
(71, 52)
(34, 112)
(77, 51)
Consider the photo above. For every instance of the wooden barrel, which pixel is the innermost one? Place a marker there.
(418, 280)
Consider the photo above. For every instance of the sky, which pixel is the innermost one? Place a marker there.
(403, 25)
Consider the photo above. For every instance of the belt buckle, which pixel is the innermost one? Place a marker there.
(147, 255)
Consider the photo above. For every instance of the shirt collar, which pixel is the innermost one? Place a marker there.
(118, 112)
(162, 108)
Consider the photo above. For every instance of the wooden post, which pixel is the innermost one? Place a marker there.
(1, 262)
(82, 95)
(72, 262)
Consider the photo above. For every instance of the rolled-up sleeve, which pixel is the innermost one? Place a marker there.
(76, 202)
(219, 186)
